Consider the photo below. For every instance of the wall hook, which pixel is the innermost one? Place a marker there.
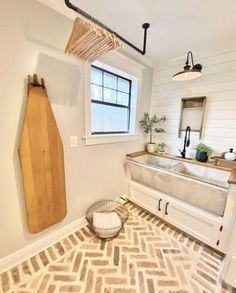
(33, 81)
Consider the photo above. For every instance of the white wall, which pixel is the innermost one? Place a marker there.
(217, 83)
(33, 38)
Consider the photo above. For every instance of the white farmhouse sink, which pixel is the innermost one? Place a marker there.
(201, 173)
(202, 186)
(159, 162)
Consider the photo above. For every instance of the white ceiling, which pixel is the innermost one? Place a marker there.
(177, 26)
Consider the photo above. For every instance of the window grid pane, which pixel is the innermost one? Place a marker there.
(107, 103)
(123, 99)
(96, 76)
(123, 85)
(110, 96)
(110, 81)
(97, 92)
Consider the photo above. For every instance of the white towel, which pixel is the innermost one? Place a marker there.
(106, 220)
(106, 225)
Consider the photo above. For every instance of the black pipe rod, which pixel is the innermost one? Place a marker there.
(145, 26)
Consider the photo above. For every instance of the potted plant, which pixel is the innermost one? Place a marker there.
(161, 147)
(149, 125)
(203, 152)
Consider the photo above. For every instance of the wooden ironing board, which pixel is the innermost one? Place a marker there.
(42, 161)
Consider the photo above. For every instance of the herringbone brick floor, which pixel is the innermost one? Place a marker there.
(148, 256)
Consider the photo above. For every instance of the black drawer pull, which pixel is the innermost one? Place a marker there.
(159, 205)
(166, 210)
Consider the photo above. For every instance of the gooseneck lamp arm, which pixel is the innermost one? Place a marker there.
(187, 61)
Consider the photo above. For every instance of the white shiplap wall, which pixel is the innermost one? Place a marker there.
(218, 84)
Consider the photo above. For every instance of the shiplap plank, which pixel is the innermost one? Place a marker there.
(218, 124)
(175, 100)
(216, 86)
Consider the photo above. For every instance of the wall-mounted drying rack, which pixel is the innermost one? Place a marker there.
(145, 26)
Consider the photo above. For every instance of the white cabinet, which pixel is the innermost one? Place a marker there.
(192, 220)
(230, 276)
(229, 273)
(151, 200)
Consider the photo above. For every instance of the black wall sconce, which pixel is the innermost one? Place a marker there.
(188, 72)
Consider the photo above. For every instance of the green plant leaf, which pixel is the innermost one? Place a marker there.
(201, 147)
(149, 124)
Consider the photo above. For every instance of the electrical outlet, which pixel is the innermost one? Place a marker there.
(73, 141)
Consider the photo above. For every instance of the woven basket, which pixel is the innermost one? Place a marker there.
(107, 206)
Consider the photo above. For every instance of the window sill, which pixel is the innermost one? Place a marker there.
(109, 138)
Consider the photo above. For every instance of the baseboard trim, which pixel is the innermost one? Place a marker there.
(37, 246)
(34, 248)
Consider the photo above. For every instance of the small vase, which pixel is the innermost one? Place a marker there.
(201, 156)
(151, 147)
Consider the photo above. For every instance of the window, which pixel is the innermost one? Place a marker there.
(110, 102)
(112, 87)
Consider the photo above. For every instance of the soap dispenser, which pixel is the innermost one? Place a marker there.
(230, 156)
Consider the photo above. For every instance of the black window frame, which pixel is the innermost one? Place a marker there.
(112, 104)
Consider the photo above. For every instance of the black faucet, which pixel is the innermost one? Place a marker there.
(186, 141)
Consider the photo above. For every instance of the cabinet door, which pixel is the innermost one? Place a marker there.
(230, 276)
(147, 198)
(194, 221)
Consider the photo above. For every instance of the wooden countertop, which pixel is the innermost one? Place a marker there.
(232, 178)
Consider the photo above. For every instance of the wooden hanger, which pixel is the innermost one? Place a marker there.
(88, 42)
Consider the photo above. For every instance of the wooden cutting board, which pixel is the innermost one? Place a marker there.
(42, 161)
